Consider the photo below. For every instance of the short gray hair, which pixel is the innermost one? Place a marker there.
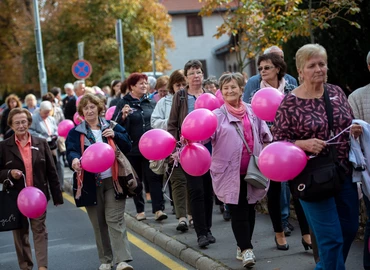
(152, 82)
(368, 58)
(273, 48)
(46, 105)
(68, 86)
(77, 83)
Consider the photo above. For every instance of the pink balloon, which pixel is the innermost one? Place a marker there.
(78, 118)
(282, 161)
(78, 100)
(98, 157)
(207, 101)
(199, 125)
(266, 102)
(156, 144)
(220, 97)
(64, 127)
(32, 202)
(110, 112)
(195, 159)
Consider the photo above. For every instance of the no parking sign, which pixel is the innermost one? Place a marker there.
(81, 69)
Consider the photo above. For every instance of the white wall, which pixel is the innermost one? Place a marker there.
(230, 60)
(199, 47)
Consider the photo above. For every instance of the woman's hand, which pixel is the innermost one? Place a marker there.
(356, 130)
(125, 111)
(314, 146)
(16, 174)
(108, 133)
(76, 165)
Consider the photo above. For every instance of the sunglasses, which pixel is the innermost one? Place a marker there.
(265, 68)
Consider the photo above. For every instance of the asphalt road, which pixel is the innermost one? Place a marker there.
(72, 245)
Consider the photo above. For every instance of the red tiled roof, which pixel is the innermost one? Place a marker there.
(180, 6)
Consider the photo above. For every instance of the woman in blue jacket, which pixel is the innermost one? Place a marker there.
(97, 192)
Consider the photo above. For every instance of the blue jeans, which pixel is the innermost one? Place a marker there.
(285, 203)
(334, 222)
(367, 235)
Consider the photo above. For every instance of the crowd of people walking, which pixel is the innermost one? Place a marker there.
(312, 116)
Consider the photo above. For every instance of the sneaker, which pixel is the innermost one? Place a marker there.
(211, 239)
(159, 215)
(290, 226)
(124, 266)
(105, 266)
(182, 226)
(141, 216)
(248, 258)
(203, 241)
(239, 255)
(287, 231)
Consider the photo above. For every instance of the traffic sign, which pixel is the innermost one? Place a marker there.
(81, 69)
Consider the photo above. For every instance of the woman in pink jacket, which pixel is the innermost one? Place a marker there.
(230, 160)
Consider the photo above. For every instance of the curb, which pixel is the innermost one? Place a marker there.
(172, 246)
(181, 251)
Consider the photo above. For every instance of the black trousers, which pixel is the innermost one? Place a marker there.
(155, 182)
(201, 201)
(273, 205)
(243, 218)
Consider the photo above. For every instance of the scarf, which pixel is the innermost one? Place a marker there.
(239, 112)
(281, 87)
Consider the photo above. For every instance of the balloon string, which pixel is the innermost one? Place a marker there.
(176, 161)
(328, 142)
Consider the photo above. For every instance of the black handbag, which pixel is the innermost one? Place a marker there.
(323, 175)
(10, 216)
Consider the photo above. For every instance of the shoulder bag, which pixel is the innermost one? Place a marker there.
(323, 175)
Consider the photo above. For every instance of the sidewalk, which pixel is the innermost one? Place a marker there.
(221, 255)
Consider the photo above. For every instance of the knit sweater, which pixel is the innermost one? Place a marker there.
(360, 103)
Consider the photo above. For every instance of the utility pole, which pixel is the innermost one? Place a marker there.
(119, 39)
(153, 54)
(80, 49)
(39, 50)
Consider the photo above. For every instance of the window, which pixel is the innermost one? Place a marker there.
(204, 64)
(194, 25)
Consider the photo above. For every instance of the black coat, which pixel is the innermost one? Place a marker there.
(69, 107)
(136, 123)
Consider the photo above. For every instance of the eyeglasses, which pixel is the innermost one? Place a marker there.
(265, 68)
(19, 123)
(198, 73)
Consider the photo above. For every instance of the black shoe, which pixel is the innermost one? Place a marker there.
(306, 245)
(281, 247)
(211, 239)
(203, 241)
(290, 226)
(287, 231)
(182, 226)
(226, 214)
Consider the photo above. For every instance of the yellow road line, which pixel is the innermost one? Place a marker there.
(162, 258)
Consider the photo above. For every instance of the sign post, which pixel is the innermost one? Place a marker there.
(120, 48)
(81, 69)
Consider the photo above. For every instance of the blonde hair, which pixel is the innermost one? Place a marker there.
(308, 51)
(227, 77)
(161, 82)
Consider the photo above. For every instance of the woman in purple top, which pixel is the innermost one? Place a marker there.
(230, 160)
(301, 118)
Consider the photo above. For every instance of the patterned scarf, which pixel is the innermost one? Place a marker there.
(281, 87)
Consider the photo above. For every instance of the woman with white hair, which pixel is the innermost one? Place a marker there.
(31, 103)
(44, 126)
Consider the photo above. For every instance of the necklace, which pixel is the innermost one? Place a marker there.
(313, 95)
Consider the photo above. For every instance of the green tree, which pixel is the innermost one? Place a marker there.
(255, 25)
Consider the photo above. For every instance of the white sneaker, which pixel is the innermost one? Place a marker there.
(105, 266)
(248, 258)
(239, 255)
(124, 266)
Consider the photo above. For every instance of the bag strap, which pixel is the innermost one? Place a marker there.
(240, 134)
(329, 111)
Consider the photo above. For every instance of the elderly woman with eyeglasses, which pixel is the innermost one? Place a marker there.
(26, 160)
(272, 69)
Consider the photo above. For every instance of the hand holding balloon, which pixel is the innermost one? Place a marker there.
(314, 145)
(108, 133)
(76, 165)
